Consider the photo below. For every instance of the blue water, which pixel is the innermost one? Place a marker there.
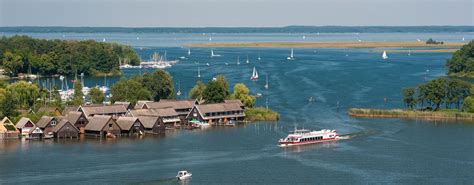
(378, 151)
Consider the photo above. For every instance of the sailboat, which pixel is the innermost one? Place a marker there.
(384, 55)
(199, 72)
(189, 52)
(266, 82)
(254, 75)
(291, 55)
(179, 89)
(409, 52)
(247, 61)
(214, 55)
(259, 57)
(238, 60)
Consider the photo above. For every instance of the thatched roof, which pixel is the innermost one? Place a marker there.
(141, 103)
(103, 110)
(44, 121)
(175, 104)
(69, 109)
(73, 117)
(23, 122)
(98, 122)
(63, 123)
(218, 107)
(148, 121)
(234, 101)
(164, 112)
(125, 123)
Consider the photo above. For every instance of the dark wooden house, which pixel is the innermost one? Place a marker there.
(101, 125)
(65, 129)
(130, 126)
(47, 123)
(217, 113)
(78, 119)
(152, 124)
(169, 116)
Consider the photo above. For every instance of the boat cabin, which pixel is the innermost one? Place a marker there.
(217, 113)
(25, 126)
(78, 119)
(65, 129)
(47, 123)
(152, 124)
(130, 126)
(8, 129)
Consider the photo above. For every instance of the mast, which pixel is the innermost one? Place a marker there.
(199, 73)
(291, 53)
(266, 81)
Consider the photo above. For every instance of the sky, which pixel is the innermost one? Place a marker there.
(235, 13)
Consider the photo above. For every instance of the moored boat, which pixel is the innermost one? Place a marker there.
(302, 137)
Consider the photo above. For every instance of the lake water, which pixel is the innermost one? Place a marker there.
(378, 151)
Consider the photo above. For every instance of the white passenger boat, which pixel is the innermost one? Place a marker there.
(183, 175)
(302, 137)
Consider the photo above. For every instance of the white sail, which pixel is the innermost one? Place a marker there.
(384, 55)
(199, 73)
(189, 51)
(247, 61)
(266, 82)
(254, 74)
(291, 53)
(238, 60)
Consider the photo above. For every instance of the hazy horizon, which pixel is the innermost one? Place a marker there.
(234, 13)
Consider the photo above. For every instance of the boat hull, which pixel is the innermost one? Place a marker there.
(297, 143)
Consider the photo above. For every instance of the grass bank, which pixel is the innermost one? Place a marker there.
(443, 115)
(261, 114)
(362, 44)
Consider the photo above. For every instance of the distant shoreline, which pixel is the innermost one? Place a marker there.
(399, 44)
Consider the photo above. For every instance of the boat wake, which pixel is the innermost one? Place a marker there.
(364, 133)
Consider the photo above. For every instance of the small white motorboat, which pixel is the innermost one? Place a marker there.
(183, 175)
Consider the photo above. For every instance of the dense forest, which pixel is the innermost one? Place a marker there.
(23, 54)
(462, 62)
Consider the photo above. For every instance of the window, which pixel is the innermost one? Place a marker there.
(110, 124)
(53, 122)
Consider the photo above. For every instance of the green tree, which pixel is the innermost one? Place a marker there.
(12, 63)
(197, 91)
(78, 98)
(96, 95)
(409, 97)
(462, 60)
(160, 84)
(24, 93)
(214, 92)
(8, 105)
(129, 90)
(241, 92)
(223, 82)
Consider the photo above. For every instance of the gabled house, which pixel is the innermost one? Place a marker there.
(130, 126)
(46, 124)
(65, 129)
(35, 133)
(182, 107)
(78, 119)
(8, 129)
(101, 126)
(152, 124)
(25, 126)
(217, 113)
(169, 116)
(111, 110)
(141, 103)
(237, 102)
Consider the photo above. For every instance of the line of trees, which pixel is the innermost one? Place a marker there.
(23, 54)
(436, 93)
(217, 90)
(149, 86)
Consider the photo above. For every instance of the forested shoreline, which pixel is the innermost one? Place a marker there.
(23, 54)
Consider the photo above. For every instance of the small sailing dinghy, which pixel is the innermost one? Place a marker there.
(254, 75)
(214, 55)
(183, 175)
(238, 60)
(384, 55)
(291, 57)
(247, 61)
